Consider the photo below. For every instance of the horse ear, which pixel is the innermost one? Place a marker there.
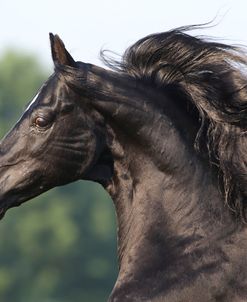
(60, 55)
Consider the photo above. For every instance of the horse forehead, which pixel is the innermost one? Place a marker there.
(46, 95)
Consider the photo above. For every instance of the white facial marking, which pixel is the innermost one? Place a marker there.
(32, 102)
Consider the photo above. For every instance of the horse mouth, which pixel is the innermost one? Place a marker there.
(10, 204)
(3, 210)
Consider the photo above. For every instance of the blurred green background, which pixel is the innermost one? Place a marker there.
(60, 246)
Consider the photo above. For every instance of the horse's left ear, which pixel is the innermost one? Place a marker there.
(60, 55)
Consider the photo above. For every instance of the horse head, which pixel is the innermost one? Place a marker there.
(57, 140)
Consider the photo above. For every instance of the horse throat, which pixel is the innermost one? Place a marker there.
(137, 194)
(161, 219)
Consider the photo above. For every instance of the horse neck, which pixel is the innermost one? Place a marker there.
(162, 215)
(173, 226)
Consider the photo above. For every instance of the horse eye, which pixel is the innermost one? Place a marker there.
(41, 122)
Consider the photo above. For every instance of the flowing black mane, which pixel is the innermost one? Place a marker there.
(213, 77)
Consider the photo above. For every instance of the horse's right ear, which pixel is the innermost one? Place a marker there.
(60, 55)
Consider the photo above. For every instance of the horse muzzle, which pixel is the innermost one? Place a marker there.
(17, 185)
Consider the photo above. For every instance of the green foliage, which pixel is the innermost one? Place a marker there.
(61, 246)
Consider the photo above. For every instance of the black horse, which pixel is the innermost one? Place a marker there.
(165, 132)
